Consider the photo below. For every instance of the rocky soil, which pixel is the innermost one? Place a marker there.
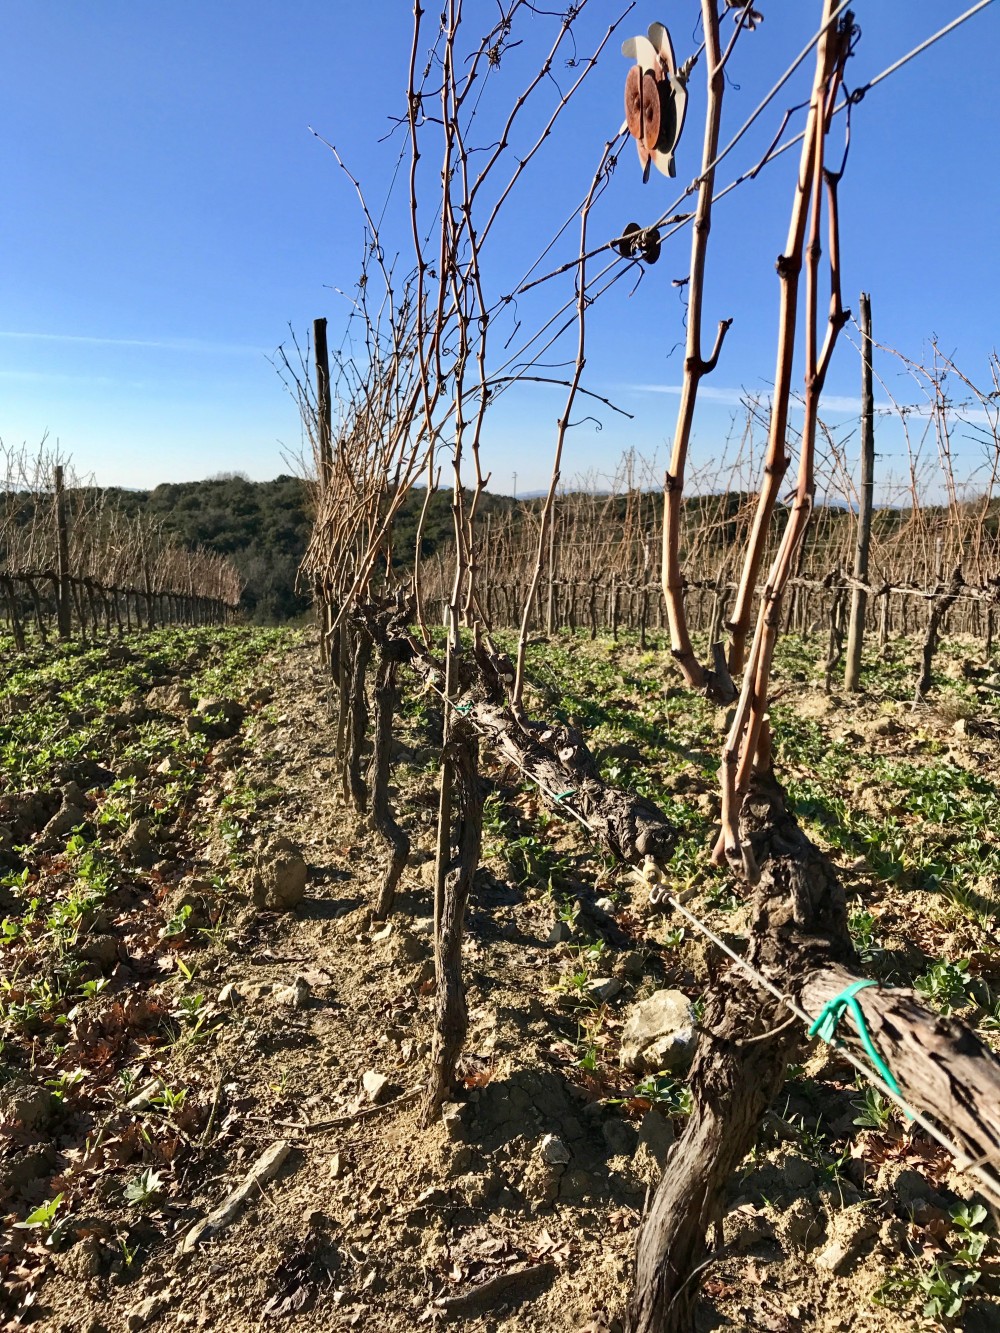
(221, 1096)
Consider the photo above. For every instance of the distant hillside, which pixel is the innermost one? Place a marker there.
(262, 525)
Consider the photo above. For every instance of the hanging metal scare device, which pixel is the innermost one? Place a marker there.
(655, 99)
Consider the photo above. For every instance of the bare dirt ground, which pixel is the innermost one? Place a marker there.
(299, 1034)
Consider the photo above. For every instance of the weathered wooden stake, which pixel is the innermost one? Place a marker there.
(64, 602)
(859, 598)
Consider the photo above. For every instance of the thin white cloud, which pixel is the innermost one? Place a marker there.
(54, 376)
(198, 345)
(734, 397)
(830, 402)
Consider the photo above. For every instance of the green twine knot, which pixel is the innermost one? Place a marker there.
(825, 1027)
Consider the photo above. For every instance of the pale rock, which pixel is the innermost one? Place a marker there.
(553, 1151)
(602, 989)
(144, 1313)
(295, 996)
(659, 1033)
(376, 1085)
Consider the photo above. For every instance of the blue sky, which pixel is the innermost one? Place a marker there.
(167, 215)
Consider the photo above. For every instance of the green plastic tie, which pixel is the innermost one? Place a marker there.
(461, 708)
(561, 796)
(825, 1027)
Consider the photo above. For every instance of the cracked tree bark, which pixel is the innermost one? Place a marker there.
(798, 941)
(451, 1019)
(799, 923)
(383, 819)
(357, 722)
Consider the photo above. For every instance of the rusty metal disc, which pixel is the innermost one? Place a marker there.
(633, 102)
(650, 110)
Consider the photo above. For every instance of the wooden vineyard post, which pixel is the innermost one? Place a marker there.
(859, 596)
(64, 603)
(147, 583)
(323, 404)
(883, 624)
(324, 426)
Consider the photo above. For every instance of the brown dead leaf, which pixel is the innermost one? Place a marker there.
(718, 1290)
(479, 1079)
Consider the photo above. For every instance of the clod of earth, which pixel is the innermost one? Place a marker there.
(656, 1134)
(25, 1104)
(295, 996)
(170, 698)
(218, 719)
(278, 878)
(850, 1235)
(745, 1227)
(137, 844)
(62, 824)
(196, 899)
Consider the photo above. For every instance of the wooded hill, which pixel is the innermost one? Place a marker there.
(263, 526)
